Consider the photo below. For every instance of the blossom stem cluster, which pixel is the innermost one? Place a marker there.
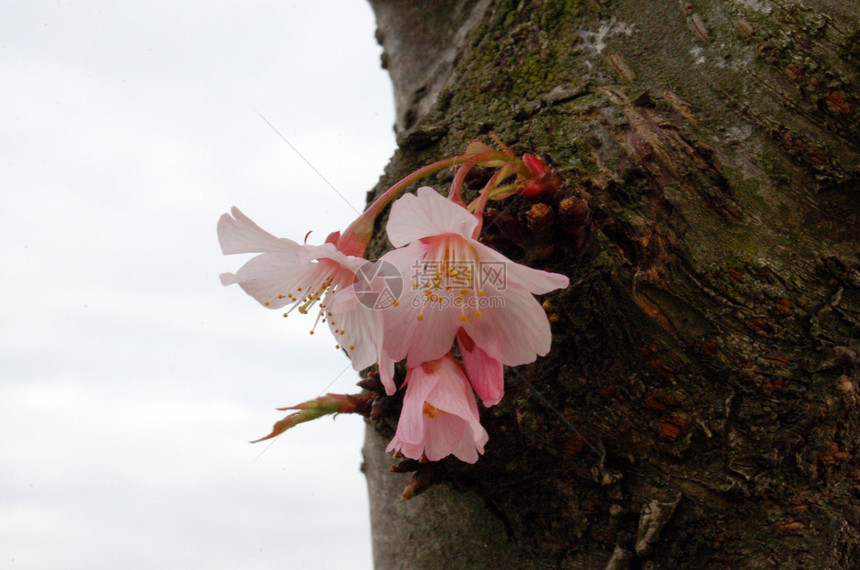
(437, 287)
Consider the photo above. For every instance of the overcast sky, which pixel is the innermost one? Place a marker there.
(130, 379)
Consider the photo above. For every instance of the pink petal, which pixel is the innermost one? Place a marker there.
(410, 427)
(363, 329)
(330, 252)
(515, 333)
(425, 214)
(386, 372)
(426, 339)
(362, 333)
(433, 336)
(459, 430)
(269, 276)
(469, 449)
(445, 434)
(410, 450)
(517, 275)
(485, 373)
(452, 393)
(238, 234)
(422, 340)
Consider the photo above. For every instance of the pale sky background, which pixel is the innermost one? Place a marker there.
(130, 379)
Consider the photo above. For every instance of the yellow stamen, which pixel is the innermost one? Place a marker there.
(431, 411)
(311, 299)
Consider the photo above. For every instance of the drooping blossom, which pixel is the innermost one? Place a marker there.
(455, 283)
(439, 415)
(288, 274)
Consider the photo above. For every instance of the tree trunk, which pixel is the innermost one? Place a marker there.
(699, 407)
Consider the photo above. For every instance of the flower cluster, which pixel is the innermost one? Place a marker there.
(437, 287)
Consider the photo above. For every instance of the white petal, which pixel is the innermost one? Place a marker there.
(427, 214)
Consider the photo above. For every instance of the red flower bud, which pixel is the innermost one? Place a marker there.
(535, 165)
(543, 180)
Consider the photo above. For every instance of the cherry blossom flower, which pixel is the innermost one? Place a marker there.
(439, 415)
(455, 288)
(303, 276)
(453, 283)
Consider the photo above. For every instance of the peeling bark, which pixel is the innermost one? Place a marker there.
(700, 405)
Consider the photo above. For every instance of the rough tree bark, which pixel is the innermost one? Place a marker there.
(701, 396)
